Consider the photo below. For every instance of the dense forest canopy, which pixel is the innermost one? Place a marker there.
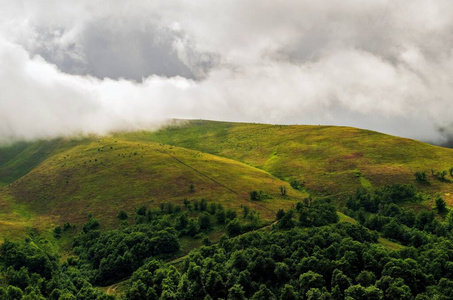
(308, 253)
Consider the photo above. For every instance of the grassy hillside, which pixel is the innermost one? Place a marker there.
(105, 176)
(331, 160)
(20, 158)
(66, 180)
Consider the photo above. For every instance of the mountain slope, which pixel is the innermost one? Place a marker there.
(20, 158)
(332, 160)
(105, 176)
(70, 178)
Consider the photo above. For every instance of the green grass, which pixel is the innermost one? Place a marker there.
(19, 159)
(47, 183)
(327, 158)
(345, 218)
(389, 244)
(105, 176)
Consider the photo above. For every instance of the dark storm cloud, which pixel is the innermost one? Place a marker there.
(97, 66)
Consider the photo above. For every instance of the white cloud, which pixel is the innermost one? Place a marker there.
(96, 67)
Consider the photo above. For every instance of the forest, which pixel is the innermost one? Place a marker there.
(306, 254)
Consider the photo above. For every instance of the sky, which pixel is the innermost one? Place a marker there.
(97, 66)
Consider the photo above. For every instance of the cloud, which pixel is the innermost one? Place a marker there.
(86, 68)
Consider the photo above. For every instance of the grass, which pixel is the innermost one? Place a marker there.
(104, 176)
(327, 158)
(47, 183)
(19, 159)
(389, 244)
(345, 218)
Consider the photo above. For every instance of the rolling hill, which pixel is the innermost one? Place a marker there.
(102, 177)
(47, 183)
(331, 160)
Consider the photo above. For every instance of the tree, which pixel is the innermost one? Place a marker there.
(358, 292)
(181, 222)
(310, 280)
(282, 272)
(441, 175)
(286, 222)
(234, 227)
(421, 177)
(57, 232)
(280, 214)
(122, 215)
(288, 293)
(283, 190)
(220, 216)
(205, 221)
(263, 294)
(297, 185)
(441, 205)
(255, 196)
(141, 211)
(366, 278)
(92, 224)
(236, 292)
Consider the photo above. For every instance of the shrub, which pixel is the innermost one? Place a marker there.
(57, 232)
(255, 196)
(441, 205)
(122, 215)
(421, 177)
(283, 190)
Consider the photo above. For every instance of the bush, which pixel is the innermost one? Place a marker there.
(297, 185)
(283, 190)
(255, 196)
(421, 177)
(441, 205)
(441, 175)
(57, 232)
(122, 215)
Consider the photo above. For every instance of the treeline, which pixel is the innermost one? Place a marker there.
(381, 210)
(316, 258)
(29, 273)
(107, 256)
(307, 254)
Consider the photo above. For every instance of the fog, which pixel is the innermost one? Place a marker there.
(102, 66)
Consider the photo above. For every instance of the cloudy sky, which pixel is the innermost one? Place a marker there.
(70, 67)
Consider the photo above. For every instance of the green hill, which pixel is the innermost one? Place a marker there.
(102, 177)
(332, 160)
(47, 183)
(20, 158)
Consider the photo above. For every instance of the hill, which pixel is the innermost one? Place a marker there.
(102, 177)
(141, 201)
(331, 160)
(47, 183)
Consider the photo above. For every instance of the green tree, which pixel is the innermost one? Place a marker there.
(255, 196)
(122, 215)
(263, 294)
(57, 232)
(288, 293)
(236, 292)
(421, 177)
(204, 220)
(283, 190)
(310, 280)
(441, 205)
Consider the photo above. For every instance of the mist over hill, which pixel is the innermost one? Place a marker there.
(379, 65)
